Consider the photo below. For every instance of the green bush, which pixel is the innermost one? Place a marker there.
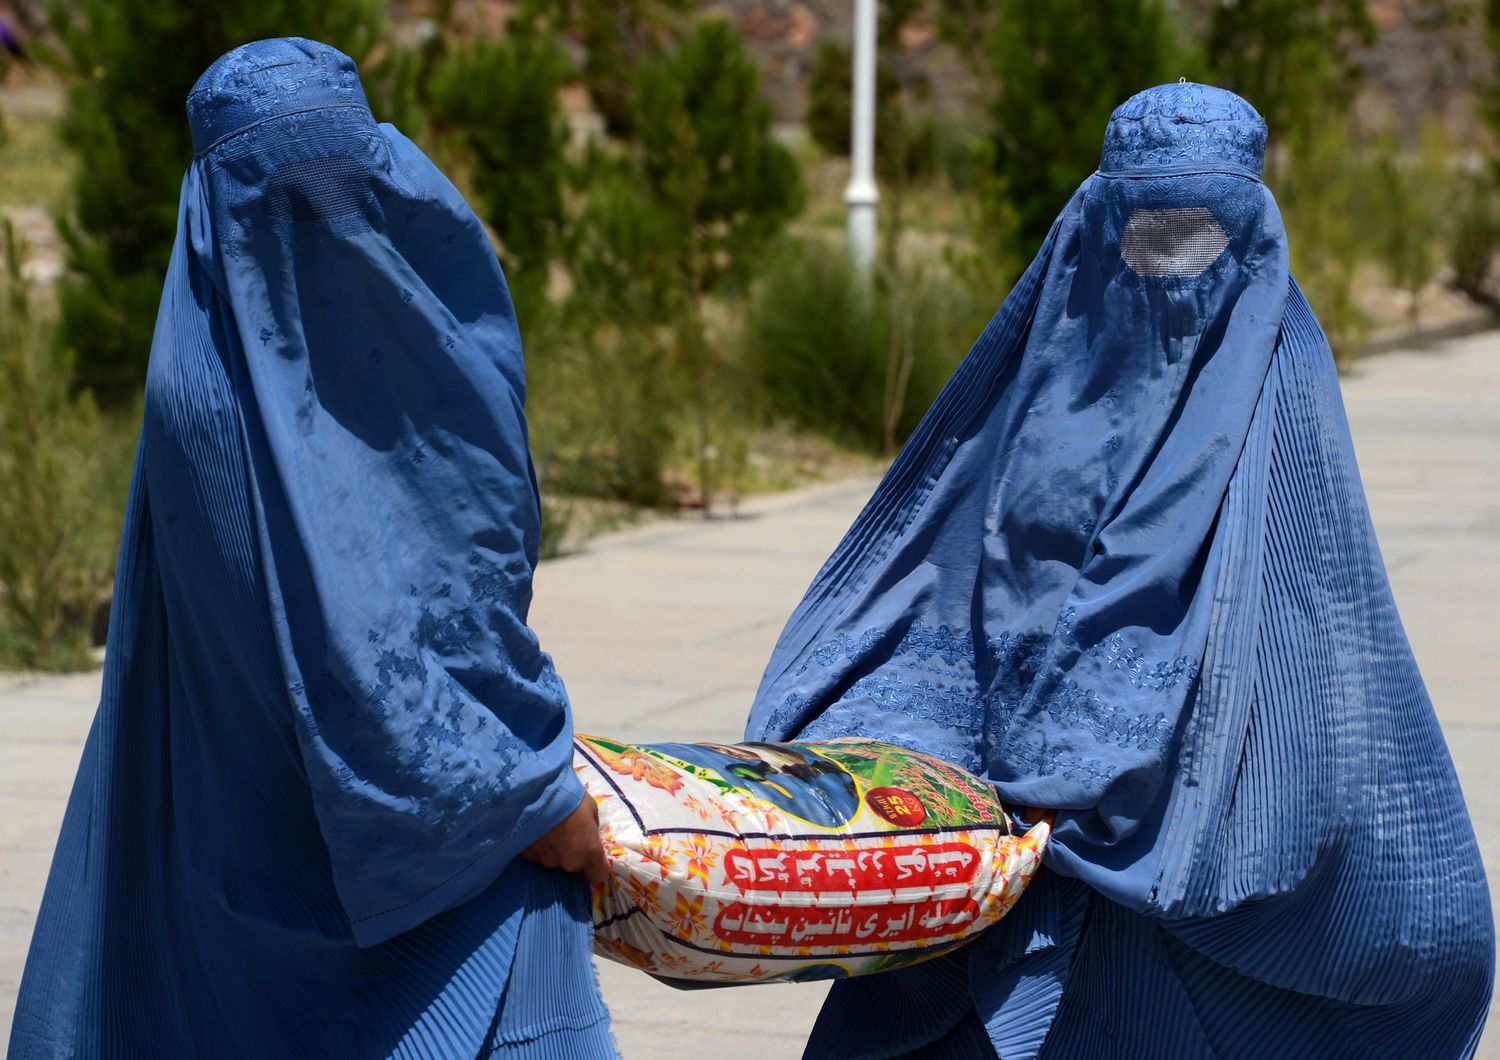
(557, 526)
(1324, 193)
(1297, 61)
(855, 359)
(618, 38)
(605, 414)
(829, 83)
(1473, 234)
(704, 151)
(498, 102)
(1051, 74)
(1409, 202)
(954, 150)
(62, 468)
(827, 114)
(908, 134)
(606, 382)
(669, 220)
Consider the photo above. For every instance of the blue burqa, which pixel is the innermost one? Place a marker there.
(326, 731)
(1124, 568)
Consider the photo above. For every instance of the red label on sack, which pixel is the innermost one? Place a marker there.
(900, 807)
(869, 869)
(804, 927)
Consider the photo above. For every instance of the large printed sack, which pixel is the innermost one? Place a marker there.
(795, 861)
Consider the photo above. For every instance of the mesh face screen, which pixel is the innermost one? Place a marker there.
(317, 189)
(1179, 242)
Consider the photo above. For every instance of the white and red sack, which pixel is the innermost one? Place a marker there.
(798, 861)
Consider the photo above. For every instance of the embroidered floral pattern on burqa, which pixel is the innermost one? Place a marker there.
(949, 697)
(1172, 130)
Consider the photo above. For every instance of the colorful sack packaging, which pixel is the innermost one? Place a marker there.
(797, 861)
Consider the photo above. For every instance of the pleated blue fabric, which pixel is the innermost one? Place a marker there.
(326, 731)
(1124, 568)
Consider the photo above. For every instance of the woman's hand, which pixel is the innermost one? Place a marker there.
(573, 845)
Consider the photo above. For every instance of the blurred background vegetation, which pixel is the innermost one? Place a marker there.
(663, 183)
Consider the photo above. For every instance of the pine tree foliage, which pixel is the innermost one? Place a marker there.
(60, 468)
(619, 37)
(498, 99)
(1295, 60)
(704, 147)
(131, 64)
(1058, 68)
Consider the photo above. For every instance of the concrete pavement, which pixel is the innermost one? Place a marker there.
(660, 633)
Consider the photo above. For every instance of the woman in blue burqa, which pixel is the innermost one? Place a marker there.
(326, 734)
(1125, 570)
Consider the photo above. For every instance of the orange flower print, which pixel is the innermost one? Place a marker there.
(638, 765)
(721, 809)
(628, 953)
(643, 894)
(700, 857)
(659, 851)
(772, 818)
(687, 919)
(704, 812)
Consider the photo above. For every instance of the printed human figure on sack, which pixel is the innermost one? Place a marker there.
(797, 782)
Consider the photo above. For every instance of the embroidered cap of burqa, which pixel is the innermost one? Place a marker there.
(326, 730)
(1124, 568)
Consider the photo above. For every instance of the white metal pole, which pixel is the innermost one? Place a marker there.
(862, 195)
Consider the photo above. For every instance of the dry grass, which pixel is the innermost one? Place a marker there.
(35, 167)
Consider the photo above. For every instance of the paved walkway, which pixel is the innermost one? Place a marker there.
(661, 633)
